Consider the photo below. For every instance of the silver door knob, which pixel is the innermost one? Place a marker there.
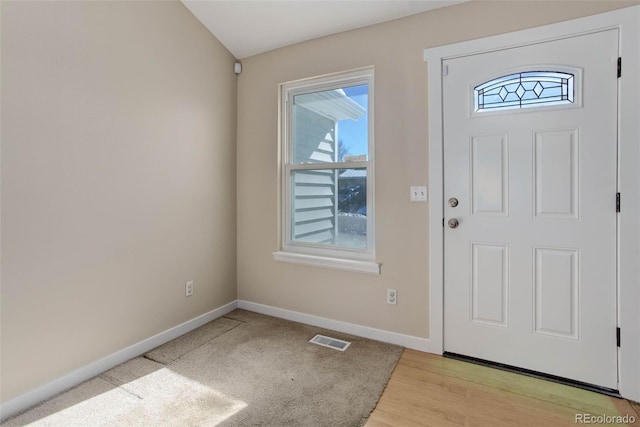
(453, 223)
(453, 202)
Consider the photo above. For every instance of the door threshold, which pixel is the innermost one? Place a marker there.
(534, 374)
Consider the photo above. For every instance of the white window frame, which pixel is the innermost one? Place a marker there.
(323, 255)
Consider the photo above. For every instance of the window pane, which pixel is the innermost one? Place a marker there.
(330, 207)
(522, 90)
(330, 125)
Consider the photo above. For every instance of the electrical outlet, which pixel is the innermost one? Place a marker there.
(418, 194)
(392, 296)
(188, 288)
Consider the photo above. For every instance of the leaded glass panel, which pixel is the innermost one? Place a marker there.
(526, 89)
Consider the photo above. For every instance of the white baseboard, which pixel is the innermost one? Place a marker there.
(408, 341)
(46, 391)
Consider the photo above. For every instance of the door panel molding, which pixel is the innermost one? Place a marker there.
(490, 286)
(556, 182)
(627, 20)
(490, 173)
(551, 290)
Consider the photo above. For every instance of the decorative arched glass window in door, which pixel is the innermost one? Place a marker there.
(523, 90)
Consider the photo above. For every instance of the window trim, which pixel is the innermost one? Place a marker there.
(343, 258)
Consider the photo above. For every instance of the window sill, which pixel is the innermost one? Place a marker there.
(369, 267)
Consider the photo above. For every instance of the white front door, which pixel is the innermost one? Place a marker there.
(530, 268)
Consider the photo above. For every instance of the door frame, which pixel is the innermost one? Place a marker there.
(627, 21)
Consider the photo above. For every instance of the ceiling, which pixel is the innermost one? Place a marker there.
(250, 27)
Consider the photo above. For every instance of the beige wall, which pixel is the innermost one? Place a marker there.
(395, 49)
(118, 180)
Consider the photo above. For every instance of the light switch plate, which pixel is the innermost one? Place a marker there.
(418, 194)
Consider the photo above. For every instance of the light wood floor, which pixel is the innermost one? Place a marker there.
(429, 390)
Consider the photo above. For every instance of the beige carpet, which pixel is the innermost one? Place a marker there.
(244, 369)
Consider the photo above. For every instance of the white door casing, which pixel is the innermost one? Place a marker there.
(530, 271)
(627, 20)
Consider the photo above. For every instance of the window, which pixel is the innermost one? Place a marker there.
(527, 89)
(327, 182)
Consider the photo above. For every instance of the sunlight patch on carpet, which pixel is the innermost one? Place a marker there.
(161, 397)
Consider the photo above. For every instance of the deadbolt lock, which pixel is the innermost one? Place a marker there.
(453, 202)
